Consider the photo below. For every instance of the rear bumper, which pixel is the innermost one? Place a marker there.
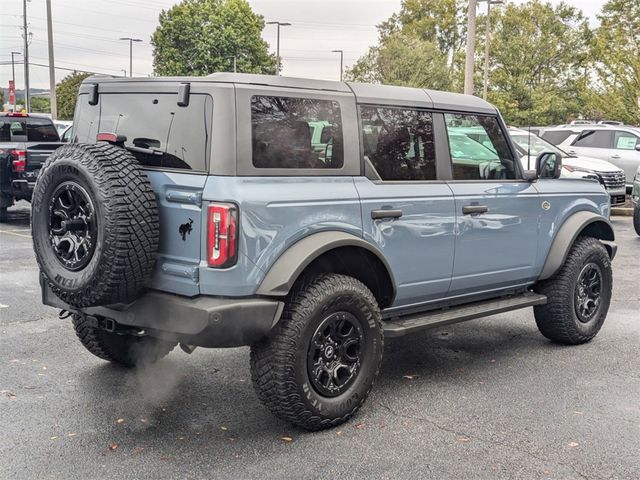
(22, 188)
(203, 321)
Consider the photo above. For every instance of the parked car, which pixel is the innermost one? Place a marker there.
(573, 166)
(62, 125)
(196, 211)
(635, 199)
(616, 144)
(65, 136)
(26, 140)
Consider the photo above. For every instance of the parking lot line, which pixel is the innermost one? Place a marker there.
(10, 232)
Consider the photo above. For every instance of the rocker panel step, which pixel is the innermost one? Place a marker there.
(437, 318)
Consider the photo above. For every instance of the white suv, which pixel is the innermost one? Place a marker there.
(619, 145)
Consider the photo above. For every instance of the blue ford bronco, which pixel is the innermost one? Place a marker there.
(309, 220)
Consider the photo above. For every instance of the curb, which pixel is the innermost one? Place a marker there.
(622, 211)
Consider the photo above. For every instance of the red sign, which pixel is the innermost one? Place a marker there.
(12, 93)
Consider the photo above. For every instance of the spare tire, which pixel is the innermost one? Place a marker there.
(94, 224)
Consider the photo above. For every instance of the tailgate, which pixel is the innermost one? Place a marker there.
(37, 153)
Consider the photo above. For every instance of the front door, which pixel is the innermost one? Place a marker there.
(496, 212)
(406, 212)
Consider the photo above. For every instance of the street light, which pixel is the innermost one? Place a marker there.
(130, 40)
(279, 24)
(13, 77)
(487, 34)
(341, 52)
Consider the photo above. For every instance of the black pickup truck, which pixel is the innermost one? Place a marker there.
(26, 140)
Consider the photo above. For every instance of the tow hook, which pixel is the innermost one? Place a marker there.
(188, 349)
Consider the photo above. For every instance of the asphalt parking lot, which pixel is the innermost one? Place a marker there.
(486, 399)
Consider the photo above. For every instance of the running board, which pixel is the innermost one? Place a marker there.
(437, 318)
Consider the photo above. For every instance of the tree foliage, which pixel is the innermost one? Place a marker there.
(546, 65)
(67, 93)
(616, 62)
(40, 104)
(199, 37)
(538, 62)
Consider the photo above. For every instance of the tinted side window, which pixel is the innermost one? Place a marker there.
(557, 137)
(289, 132)
(625, 141)
(399, 143)
(594, 139)
(479, 148)
(180, 137)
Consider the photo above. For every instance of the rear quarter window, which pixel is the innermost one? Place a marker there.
(296, 133)
(180, 137)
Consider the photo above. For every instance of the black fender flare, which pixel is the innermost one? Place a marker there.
(595, 226)
(288, 267)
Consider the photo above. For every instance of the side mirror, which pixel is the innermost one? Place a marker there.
(638, 147)
(548, 165)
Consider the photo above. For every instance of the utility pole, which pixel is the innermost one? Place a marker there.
(471, 48)
(341, 52)
(52, 69)
(279, 24)
(13, 77)
(130, 40)
(25, 34)
(487, 35)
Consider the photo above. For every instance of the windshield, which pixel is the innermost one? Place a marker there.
(538, 145)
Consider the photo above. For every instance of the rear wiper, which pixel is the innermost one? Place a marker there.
(148, 151)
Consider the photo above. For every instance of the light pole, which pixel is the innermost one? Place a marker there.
(279, 24)
(487, 40)
(130, 40)
(52, 68)
(25, 56)
(13, 77)
(341, 52)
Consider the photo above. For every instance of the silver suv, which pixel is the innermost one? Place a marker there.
(619, 145)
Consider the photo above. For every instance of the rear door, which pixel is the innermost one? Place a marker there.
(173, 142)
(406, 211)
(497, 212)
(592, 143)
(625, 153)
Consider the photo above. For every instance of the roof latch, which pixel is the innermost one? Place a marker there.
(183, 94)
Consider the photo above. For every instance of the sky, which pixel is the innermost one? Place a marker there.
(86, 34)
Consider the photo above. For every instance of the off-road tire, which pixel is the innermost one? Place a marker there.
(279, 362)
(636, 219)
(126, 224)
(558, 319)
(125, 350)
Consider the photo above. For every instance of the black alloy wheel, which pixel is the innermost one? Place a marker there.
(333, 360)
(72, 225)
(588, 292)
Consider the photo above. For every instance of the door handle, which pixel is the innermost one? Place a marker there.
(385, 213)
(616, 156)
(571, 152)
(474, 209)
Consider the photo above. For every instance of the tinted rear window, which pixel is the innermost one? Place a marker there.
(557, 137)
(27, 129)
(179, 136)
(291, 132)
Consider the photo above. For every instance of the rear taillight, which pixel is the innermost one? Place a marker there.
(18, 160)
(222, 235)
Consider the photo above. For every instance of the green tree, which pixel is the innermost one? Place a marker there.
(539, 62)
(40, 105)
(419, 46)
(199, 37)
(616, 62)
(67, 93)
(403, 60)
